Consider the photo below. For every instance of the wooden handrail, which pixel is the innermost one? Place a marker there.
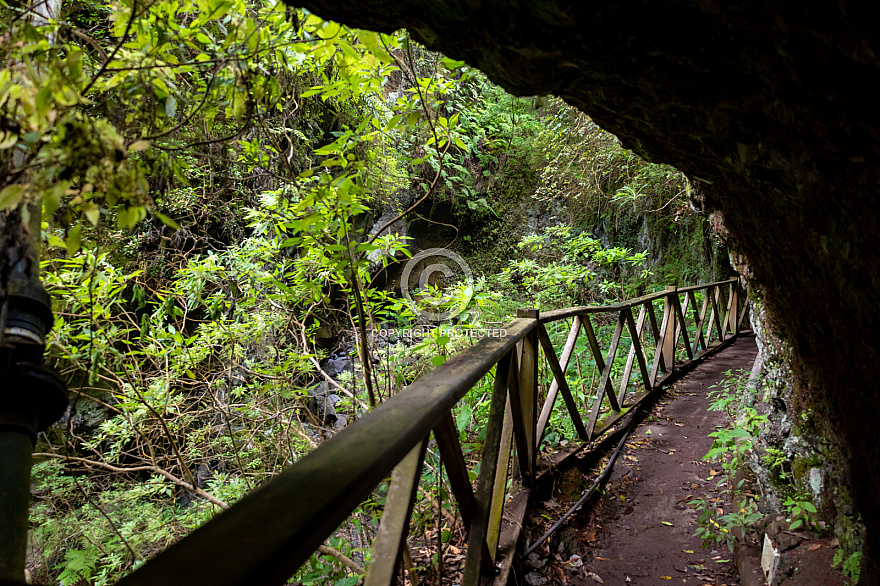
(568, 312)
(267, 535)
(264, 537)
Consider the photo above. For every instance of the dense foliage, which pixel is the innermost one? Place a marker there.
(208, 173)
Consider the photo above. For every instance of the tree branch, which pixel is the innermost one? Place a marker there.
(147, 468)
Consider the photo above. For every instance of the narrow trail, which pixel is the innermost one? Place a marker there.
(641, 531)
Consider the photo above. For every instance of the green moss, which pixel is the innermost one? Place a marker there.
(801, 465)
(488, 240)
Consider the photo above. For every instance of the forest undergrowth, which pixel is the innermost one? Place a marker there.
(209, 172)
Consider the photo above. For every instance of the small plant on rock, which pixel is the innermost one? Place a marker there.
(730, 449)
(800, 513)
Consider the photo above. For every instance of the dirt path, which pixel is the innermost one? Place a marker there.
(640, 532)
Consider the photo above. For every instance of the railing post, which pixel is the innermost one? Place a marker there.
(717, 308)
(446, 436)
(478, 558)
(734, 308)
(499, 490)
(668, 332)
(391, 539)
(700, 318)
(564, 359)
(528, 385)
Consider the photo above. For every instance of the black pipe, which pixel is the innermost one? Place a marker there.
(15, 494)
(32, 397)
(599, 480)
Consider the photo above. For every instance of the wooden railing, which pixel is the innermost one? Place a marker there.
(267, 535)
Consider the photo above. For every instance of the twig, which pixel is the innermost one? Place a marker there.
(326, 376)
(410, 566)
(191, 114)
(441, 155)
(350, 563)
(115, 50)
(147, 468)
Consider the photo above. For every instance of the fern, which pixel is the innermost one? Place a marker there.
(78, 564)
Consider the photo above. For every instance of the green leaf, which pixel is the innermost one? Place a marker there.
(371, 41)
(92, 212)
(452, 64)
(10, 196)
(167, 221)
(438, 360)
(129, 217)
(43, 99)
(464, 417)
(738, 433)
(795, 525)
(74, 240)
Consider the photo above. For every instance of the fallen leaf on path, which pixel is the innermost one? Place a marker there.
(688, 550)
(666, 577)
(815, 546)
(595, 577)
(603, 559)
(667, 523)
(560, 575)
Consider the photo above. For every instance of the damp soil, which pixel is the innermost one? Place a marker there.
(640, 531)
